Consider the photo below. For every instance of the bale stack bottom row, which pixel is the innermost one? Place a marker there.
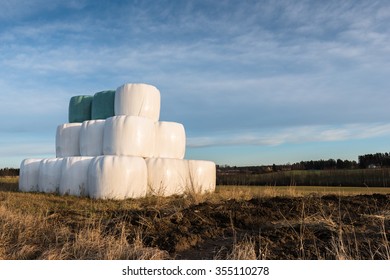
(117, 177)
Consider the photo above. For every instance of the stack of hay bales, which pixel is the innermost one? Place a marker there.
(115, 147)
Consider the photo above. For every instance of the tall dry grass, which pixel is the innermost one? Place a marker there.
(42, 236)
(43, 226)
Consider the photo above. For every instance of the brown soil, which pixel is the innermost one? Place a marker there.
(313, 227)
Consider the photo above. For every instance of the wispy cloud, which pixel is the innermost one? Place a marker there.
(302, 134)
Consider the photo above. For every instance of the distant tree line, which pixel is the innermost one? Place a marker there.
(325, 164)
(374, 160)
(9, 172)
(303, 165)
(371, 170)
(377, 160)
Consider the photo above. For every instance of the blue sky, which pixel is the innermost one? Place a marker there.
(253, 82)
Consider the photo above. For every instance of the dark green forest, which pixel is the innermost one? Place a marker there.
(9, 172)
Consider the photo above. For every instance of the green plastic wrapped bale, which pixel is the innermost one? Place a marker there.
(103, 105)
(80, 108)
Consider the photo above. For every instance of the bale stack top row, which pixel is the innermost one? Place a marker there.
(124, 122)
(130, 99)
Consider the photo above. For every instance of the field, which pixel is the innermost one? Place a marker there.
(378, 177)
(234, 223)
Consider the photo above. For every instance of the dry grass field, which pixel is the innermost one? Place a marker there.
(233, 223)
(378, 177)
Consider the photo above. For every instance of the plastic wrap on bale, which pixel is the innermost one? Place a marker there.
(91, 138)
(170, 140)
(202, 176)
(80, 108)
(128, 136)
(74, 176)
(117, 177)
(50, 175)
(68, 140)
(103, 105)
(138, 100)
(167, 176)
(29, 175)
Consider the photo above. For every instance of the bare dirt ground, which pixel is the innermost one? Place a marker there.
(327, 227)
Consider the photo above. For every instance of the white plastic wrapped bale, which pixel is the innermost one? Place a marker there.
(138, 100)
(67, 140)
(50, 175)
(91, 138)
(74, 176)
(202, 176)
(129, 136)
(117, 177)
(170, 140)
(167, 176)
(29, 175)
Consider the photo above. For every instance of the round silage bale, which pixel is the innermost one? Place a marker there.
(29, 175)
(91, 138)
(68, 140)
(129, 136)
(202, 176)
(117, 177)
(80, 108)
(138, 100)
(74, 176)
(103, 105)
(170, 140)
(50, 175)
(167, 176)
